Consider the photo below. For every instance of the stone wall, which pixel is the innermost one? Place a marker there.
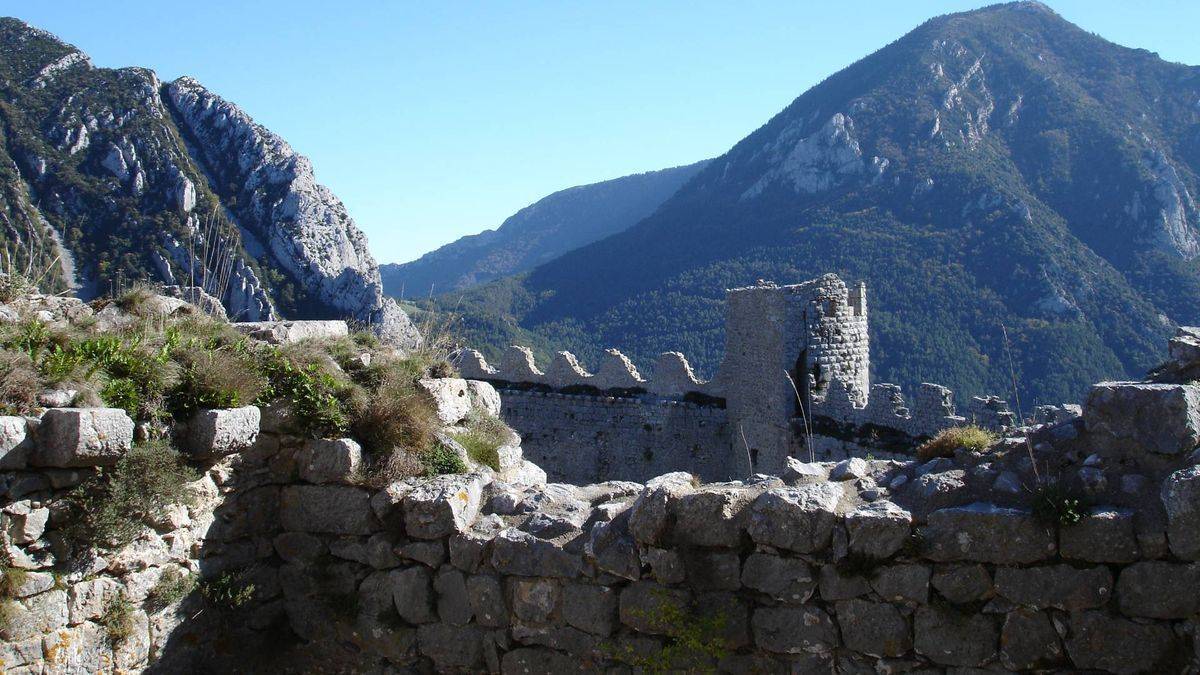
(784, 344)
(882, 566)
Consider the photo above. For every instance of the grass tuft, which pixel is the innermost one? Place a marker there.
(970, 437)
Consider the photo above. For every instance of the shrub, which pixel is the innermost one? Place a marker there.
(31, 337)
(441, 459)
(693, 641)
(60, 364)
(1054, 504)
(11, 578)
(394, 416)
(971, 437)
(134, 300)
(19, 384)
(312, 394)
(172, 587)
(109, 509)
(121, 393)
(216, 379)
(391, 467)
(229, 590)
(117, 619)
(484, 435)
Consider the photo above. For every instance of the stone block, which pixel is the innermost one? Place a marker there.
(789, 580)
(902, 583)
(712, 570)
(451, 398)
(645, 605)
(484, 397)
(412, 592)
(794, 630)
(326, 509)
(591, 608)
(452, 648)
(15, 442)
(453, 603)
(666, 565)
(713, 515)
(1058, 586)
(23, 523)
(285, 332)
(796, 518)
(951, 638)
(612, 548)
(1104, 535)
(1159, 590)
(962, 583)
(1181, 500)
(1113, 644)
(985, 532)
(325, 460)
(873, 628)
(534, 600)
(796, 471)
(1028, 641)
(522, 554)
(537, 660)
(216, 433)
(652, 513)
(879, 529)
(486, 596)
(444, 505)
(71, 437)
(1157, 418)
(429, 553)
(834, 584)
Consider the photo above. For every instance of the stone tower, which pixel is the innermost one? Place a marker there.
(812, 332)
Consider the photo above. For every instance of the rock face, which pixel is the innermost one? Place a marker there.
(303, 226)
(159, 162)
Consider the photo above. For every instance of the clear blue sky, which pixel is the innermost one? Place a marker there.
(437, 119)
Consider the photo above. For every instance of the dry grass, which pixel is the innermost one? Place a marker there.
(483, 436)
(19, 383)
(970, 437)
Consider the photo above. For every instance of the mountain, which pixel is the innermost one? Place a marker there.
(994, 172)
(540, 232)
(119, 177)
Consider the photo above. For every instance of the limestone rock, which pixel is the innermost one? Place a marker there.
(1159, 590)
(329, 509)
(799, 519)
(330, 460)
(23, 523)
(794, 630)
(1157, 418)
(1114, 644)
(443, 505)
(1058, 586)
(484, 397)
(71, 437)
(987, 533)
(952, 638)
(642, 604)
(15, 442)
(789, 580)
(451, 398)
(216, 433)
(1181, 499)
(650, 517)
(962, 583)
(590, 608)
(873, 628)
(486, 596)
(522, 554)
(1105, 535)
(1028, 640)
(879, 529)
(713, 515)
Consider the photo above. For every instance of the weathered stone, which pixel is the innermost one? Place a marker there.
(285, 332)
(835, 584)
(216, 433)
(1112, 644)
(879, 529)
(429, 553)
(1181, 499)
(23, 523)
(486, 596)
(590, 608)
(29, 583)
(613, 549)
(15, 442)
(987, 533)
(412, 591)
(645, 604)
(1028, 640)
(873, 628)
(732, 615)
(1157, 418)
(712, 570)
(299, 547)
(327, 509)
(962, 583)
(534, 600)
(453, 605)
(849, 469)
(1159, 590)
(443, 505)
(381, 552)
(794, 630)
(902, 583)
(713, 515)
(535, 660)
(651, 516)
(38, 615)
(70, 437)
(483, 397)
(326, 460)
(953, 638)
(1104, 535)
(796, 518)
(451, 398)
(796, 471)
(468, 549)
(666, 565)
(452, 648)
(522, 554)
(788, 580)
(1059, 586)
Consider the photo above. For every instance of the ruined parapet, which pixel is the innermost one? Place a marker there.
(472, 365)
(991, 412)
(565, 371)
(673, 376)
(517, 365)
(1056, 414)
(616, 371)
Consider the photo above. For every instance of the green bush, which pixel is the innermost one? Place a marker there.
(217, 379)
(312, 394)
(440, 459)
(117, 619)
(694, 642)
(172, 587)
(1054, 504)
(229, 590)
(121, 393)
(109, 509)
(483, 436)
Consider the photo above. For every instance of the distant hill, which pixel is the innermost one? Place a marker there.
(553, 225)
(999, 168)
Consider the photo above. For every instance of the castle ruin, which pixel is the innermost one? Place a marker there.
(795, 382)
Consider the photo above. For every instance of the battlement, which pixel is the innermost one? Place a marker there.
(794, 382)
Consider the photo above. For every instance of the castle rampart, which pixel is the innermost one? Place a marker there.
(794, 382)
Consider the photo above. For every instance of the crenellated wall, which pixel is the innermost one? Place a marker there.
(797, 360)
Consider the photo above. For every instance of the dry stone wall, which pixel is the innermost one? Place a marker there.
(853, 566)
